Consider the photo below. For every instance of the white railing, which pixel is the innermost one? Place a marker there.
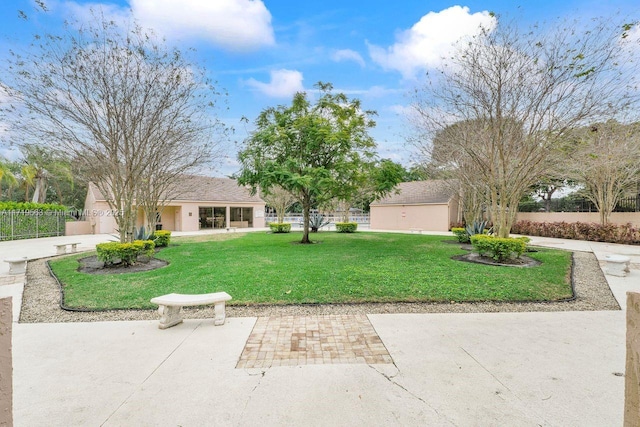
(295, 218)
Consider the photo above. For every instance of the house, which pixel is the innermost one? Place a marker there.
(427, 205)
(203, 203)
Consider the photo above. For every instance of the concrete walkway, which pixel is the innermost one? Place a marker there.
(515, 369)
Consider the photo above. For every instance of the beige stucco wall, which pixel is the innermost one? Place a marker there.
(75, 228)
(616, 217)
(175, 217)
(6, 363)
(432, 217)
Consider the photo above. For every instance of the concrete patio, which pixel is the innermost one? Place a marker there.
(515, 369)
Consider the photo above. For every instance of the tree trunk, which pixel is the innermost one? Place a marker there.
(306, 210)
(40, 190)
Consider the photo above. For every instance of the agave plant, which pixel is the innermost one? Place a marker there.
(142, 233)
(317, 221)
(478, 227)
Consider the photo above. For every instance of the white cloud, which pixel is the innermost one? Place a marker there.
(348, 55)
(237, 25)
(426, 43)
(86, 12)
(283, 84)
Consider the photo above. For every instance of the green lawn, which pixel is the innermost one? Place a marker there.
(260, 268)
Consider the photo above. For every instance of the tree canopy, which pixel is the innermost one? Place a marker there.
(317, 151)
(498, 111)
(130, 111)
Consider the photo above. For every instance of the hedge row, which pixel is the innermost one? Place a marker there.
(28, 206)
(610, 233)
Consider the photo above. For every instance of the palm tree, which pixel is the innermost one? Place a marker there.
(42, 166)
(6, 176)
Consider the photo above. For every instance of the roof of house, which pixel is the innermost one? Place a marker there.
(420, 192)
(205, 189)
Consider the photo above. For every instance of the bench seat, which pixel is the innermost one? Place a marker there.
(617, 265)
(170, 306)
(17, 265)
(61, 249)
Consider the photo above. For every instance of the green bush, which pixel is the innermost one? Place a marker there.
(499, 248)
(29, 206)
(346, 227)
(461, 234)
(25, 220)
(148, 247)
(280, 227)
(627, 234)
(162, 238)
(127, 253)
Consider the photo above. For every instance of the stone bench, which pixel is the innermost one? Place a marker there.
(170, 306)
(17, 265)
(617, 265)
(61, 249)
(416, 230)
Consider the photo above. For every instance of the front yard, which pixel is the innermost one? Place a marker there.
(260, 268)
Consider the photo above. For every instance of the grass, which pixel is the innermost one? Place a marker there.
(260, 268)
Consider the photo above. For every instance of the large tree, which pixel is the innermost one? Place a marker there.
(606, 160)
(279, 199)
(316, 151)
(131, 111)
(504, 100)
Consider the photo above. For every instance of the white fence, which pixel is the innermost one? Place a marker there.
(296, 218)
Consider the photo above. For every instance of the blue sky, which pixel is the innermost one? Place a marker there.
(261, 52)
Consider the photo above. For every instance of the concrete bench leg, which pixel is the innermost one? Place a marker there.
(61, 250)
(169, 316)
(74, 247)
(220, 315)
(17, 266)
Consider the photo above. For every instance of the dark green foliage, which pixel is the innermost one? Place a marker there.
(346, 227)
(127, 253)
(31, 220)
(162, 238)
(284, 227)
(499, 248)
(317, 151)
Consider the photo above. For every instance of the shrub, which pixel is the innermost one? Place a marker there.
(148, 247)
(461, 234)
(29, 206)
(346, 227)
(499, 248)
(317, 221)
(478, 227)
(127, 253)
(162, 238)
(280, 227)
(610, 233)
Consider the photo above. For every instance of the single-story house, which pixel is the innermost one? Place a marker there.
(203, 203)
(426, 205)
